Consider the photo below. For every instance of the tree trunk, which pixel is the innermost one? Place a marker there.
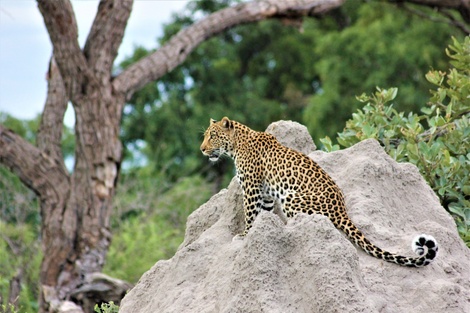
(76, 208)
(76, 212)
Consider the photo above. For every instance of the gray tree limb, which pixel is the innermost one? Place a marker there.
(183, 43)
(52, 120)
(106, 35)
(62, 28)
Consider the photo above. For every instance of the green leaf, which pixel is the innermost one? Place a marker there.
(466, 189)
(412, 148)
(458, 210)
(435, 77)
(363, 98)
(328, 145)
(427, 111)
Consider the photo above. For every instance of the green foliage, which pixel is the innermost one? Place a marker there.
(250, 73)
(20, 249)
(259, 73)
(437, 141)
(29, 128)
(106, 308)
(382, 44)
(18, 204)
(151, 223)
(9, 308)
(21, 255)
(25, 128)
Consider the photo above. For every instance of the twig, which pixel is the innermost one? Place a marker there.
(454, 21)
(451, 20)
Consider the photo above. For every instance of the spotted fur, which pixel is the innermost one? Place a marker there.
(269, 172)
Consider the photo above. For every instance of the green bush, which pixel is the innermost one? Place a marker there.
(20, 249)
(153, 225)
(21, 255)
(437, 141)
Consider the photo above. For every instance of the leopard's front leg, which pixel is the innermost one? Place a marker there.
(252, 203)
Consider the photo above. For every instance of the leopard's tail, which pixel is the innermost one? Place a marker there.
(423, 245)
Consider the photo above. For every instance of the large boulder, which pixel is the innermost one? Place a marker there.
(307, 265)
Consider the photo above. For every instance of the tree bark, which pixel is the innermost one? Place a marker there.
(76, 234)
(76, 207)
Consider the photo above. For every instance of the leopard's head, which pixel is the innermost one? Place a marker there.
(218, 139)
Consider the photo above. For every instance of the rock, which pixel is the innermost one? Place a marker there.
(292, 135)
(307, 265)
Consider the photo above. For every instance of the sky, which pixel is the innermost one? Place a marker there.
(25, 48)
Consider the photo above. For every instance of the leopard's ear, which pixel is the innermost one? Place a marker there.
(212, 121)
(226, 123)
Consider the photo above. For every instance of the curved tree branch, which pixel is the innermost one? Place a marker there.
(182, 44)
(32, 166)
(51, 182)
(106, 35)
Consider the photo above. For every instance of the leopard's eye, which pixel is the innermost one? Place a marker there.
(212, 135)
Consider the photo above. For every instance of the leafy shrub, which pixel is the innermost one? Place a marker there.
(437, 141)
(21, 256)
(155, 226)
(106, 308)
(10, 308)
(20, 249)
(18, 204)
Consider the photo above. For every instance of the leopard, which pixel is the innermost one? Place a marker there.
(271, 173)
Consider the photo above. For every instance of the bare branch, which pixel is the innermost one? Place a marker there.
(452, 20)
(182, 44)
(62, 28)
(50, 131)
(33, 167)
(449, 18)
(462, 6)
(106, 35)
